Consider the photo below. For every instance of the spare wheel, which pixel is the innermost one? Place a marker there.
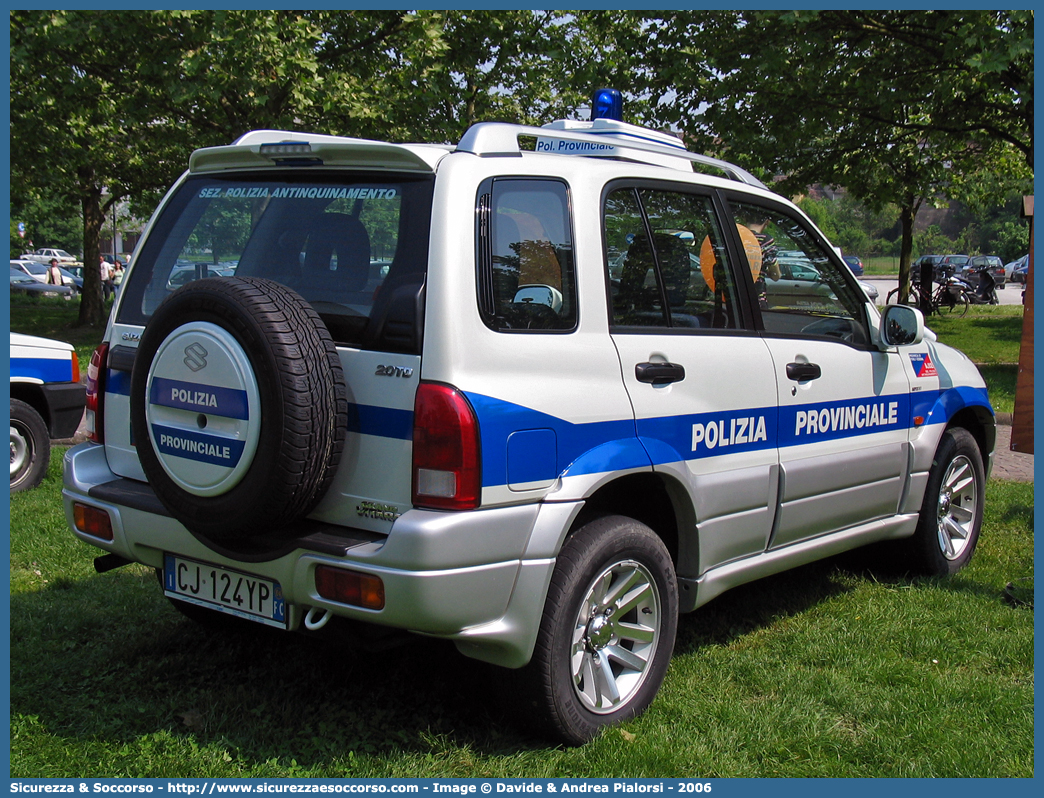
(238, 406)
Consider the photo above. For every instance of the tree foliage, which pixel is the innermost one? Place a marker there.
(898, 106)
(901, 107)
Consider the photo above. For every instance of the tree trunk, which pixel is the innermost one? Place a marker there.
(907, 213)
(92, 308)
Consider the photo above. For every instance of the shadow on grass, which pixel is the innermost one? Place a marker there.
(135, 667)
(759, 604)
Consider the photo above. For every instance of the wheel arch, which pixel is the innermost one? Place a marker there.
(33, 395)
(978, 421)
(656, 500)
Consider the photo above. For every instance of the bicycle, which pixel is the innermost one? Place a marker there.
(950, 297)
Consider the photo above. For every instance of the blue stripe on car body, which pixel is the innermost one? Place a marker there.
(45, 369)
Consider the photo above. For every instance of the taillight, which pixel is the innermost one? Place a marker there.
(92, 521)
(75, 368)
(447, 469)
(96, 393)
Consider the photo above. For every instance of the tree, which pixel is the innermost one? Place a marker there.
(895, 105)
(81, 122)
(111, 121)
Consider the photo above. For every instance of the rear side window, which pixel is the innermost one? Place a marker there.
(355, 247)
(526, 277)
(666, 262)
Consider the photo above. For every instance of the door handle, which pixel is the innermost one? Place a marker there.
(659, 373)
(802, 372)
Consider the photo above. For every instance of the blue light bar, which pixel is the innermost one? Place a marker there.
(607, 104)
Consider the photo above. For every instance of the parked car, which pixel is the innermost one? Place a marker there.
(990, 263)
(22, 283)
(71, 280)
(855, 264)
(47, 401)
(1020, 272)
(476, 440)
(34, 268)
(924, 260)
(1009, 268)
(44, 255)
(871, 290)
(38, 271)
(952, 265)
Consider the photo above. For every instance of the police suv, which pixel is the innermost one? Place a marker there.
(47, 402)
(536, 393)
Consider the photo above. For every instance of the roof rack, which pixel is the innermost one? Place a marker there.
(501, 139)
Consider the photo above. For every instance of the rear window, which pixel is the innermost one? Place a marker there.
(354, 246)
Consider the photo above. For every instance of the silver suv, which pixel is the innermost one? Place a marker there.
(537, 393)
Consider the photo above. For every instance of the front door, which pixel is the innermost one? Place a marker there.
(843, 404)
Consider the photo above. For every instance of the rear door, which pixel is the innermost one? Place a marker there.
(699, 378)
(355, 246)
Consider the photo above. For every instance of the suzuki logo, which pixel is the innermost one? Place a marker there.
(195, 357)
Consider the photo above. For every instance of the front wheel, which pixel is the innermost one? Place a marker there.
(30, 446)
(951, 514)
(607, 632)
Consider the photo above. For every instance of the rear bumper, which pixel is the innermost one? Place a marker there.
(463, 576)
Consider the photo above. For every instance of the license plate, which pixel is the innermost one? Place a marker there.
(220, 589)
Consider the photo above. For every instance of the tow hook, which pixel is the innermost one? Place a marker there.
(109, 562)
(310, 621)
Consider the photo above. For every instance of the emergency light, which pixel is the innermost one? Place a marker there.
(607, 104)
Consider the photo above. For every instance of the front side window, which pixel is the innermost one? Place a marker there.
(347, 244)
(526, 276)
(666, 261)
(800, 289)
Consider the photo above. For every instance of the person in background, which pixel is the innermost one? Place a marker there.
(105, 272)
(54, 274)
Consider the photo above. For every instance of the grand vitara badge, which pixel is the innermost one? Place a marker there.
(202, 398)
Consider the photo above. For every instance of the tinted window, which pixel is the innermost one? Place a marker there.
(525, 256)
(799, 287)
(348, 246)
(666, 261)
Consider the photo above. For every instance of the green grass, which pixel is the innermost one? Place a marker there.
(829, 670)
(58, 319)
(991, 336)
(988, 334)
(881, 266)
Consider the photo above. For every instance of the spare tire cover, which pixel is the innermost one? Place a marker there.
(238, 407)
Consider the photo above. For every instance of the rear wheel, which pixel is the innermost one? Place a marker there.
(607, 632)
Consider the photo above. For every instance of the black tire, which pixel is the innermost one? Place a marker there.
(893, 297)
(951, 513)
(274, 344)
(634, 638)
(30, 447)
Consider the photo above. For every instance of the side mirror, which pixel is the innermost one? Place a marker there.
(901, 325)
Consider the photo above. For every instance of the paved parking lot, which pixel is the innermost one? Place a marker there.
(1010, 295)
